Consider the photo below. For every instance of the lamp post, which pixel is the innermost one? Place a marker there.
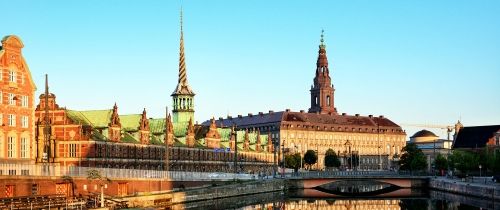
(275, 161)
(233, 134)
(300, 151)
(283, 158)
(480, 167)
(378, 148)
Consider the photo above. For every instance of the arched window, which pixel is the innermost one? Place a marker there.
(328, 100)
(316, 100)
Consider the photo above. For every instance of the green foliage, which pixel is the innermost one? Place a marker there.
(412, 159)
(464, 161)
(492, 160)
(441, 163)
(310, 158)
(331, 159)
(293, 161)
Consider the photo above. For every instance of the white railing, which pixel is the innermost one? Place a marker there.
(114, 173)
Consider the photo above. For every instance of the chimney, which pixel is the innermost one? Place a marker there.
(370, 116)
(250, 114)
(344, 114)
(229, 117)
(261, 113)
(357, 115)
(271, 111)
(239, 116)
(287, 110)
(302, 111)
(381, 116)
(220, 119)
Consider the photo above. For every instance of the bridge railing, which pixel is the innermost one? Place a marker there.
(320, 174)
(13, 170)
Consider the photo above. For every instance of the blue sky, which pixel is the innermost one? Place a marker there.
(425, 62)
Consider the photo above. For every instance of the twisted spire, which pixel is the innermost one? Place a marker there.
(182, 85)
(182, 62)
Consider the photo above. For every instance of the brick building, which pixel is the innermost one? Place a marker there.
(106, 138)
(16, 103)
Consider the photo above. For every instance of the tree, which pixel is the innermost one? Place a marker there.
(412, 159)
(441, 163)
(331, 159)
(95, 175)
(310, 158)
(464, 161)
(293, 161)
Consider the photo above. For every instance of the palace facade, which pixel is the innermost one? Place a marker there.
(377, 141)
(16, 103)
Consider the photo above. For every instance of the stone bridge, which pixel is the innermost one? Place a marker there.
(356, 183)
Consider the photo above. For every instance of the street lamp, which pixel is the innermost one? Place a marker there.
(300, 151)
(480, 167)
(283, 157)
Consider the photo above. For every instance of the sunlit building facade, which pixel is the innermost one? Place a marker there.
(377, 141)
(16, 103)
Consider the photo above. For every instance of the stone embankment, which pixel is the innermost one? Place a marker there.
(489, 190)
(208, 193)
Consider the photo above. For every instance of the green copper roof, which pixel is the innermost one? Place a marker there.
(128, 138)
(96, 118)
(130, 122)
(180, 129)
(156, 140)
(157, 126)
(225, 134)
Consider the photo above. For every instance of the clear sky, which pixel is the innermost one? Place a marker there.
(424, 62)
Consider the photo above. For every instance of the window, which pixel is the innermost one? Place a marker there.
(12, 76)
(24, 101)
(72, 150)
(1, 94)
(24, 147)
(11, 147)
(328, 100)
(316, 100)
(12, 120)
(22, 79)
(24, 121)
(11, 99)
(1, 146)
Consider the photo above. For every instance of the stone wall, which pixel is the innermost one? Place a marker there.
(463, 188)
(225, 191)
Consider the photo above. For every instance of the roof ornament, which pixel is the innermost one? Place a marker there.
(322, 41)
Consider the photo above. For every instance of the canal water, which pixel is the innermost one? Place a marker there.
(407, 200)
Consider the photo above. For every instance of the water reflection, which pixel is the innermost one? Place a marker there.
(432, 200)
(357, 188)
(365, 204)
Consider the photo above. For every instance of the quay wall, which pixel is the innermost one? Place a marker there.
(201, 194)
(464, 188)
